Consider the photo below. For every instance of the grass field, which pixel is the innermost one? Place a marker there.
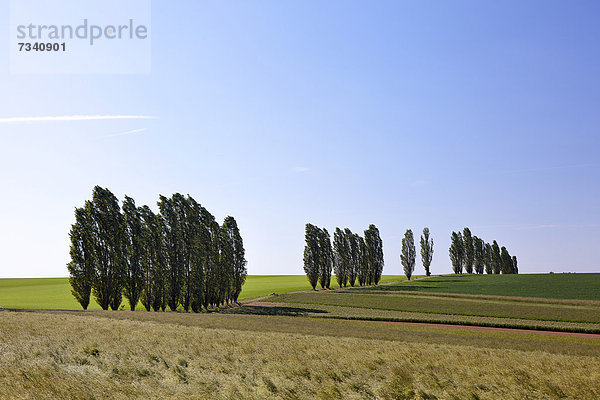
(551, 286)
(55, 293)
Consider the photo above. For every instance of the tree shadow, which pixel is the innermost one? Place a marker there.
(400, 288)
(275, 310)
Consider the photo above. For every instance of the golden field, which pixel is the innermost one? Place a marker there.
(102, 355)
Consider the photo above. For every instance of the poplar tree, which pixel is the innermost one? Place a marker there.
(185, 230)
(161, 272)
(374, 247)
(409, 254)
(147, 294)
(505, 261)
(82, 265)
(225, 266)
(350, 248)
(457, 253)
(488, 259)
(311, 255)
(426, 250)
(133, 248)
(496, 258)
(353, 256)
(211, 256)
(215, 252)
(340, 257)
(469, 250)
(197, 234)
(106, 234)
(325, 258)
(479, 254)
(363, 269)
(514, 265)
(239, 260)
(151, 260)
(173, 251)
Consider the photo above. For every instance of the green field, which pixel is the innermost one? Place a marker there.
(55, 293)
(551, 286)
(461, 304)
(483, 307)
(368, 314)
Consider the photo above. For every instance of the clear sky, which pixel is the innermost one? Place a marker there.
(339, 113)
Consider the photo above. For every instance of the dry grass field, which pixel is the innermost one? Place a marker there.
(106, 355)
(326, 344)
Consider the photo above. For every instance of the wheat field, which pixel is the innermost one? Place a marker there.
(95, 356)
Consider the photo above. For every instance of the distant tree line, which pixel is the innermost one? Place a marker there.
(473, 254)
(353, 258)
(178, 257)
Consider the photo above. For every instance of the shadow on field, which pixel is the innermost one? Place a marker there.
(400, 288)
(275, 310)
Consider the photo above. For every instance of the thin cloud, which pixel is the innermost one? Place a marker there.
(300, 169)
(73, 118)
(126, 132)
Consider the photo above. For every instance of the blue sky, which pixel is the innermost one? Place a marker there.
(339, 113)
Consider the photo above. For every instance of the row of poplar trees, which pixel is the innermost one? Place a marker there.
(178, 257)
(409, 254)
(473, 254)
(352, 257)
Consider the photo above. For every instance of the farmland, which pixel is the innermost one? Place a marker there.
(173, 355)
(549, 286)
(394, 302)
(55, 293)
(482, 307)
(328, 344)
